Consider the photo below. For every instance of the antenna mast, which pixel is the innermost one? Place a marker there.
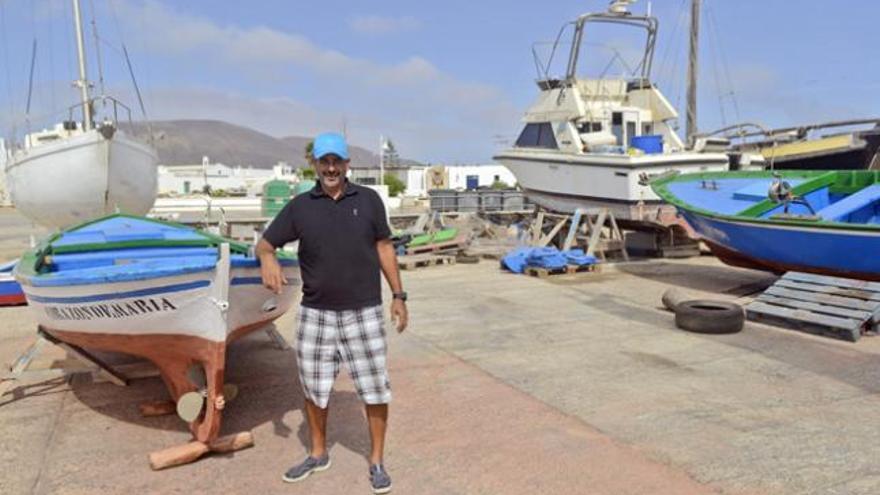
(82, 82)
(692, 73)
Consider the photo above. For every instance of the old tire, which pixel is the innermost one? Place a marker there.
(672, 298)
(713, 317)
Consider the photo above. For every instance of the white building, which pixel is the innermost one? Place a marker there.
(175, 180)
(5, 200)
(474, 176)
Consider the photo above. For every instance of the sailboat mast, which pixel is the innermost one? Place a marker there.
(82, 82)
(692, 73)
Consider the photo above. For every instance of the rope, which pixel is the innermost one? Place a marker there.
(724, 65)
(713, 46)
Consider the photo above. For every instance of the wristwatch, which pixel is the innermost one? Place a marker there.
(399, 295)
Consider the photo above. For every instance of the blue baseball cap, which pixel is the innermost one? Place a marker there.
(330, 142)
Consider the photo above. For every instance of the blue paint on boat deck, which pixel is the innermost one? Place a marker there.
(127, 229)
(817, 199)
(729, 198)
(103, 266)
(841, 210)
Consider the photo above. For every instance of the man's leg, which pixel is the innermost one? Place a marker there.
(317, 419)
(377, 418)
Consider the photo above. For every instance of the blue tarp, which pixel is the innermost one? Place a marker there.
(547, 257)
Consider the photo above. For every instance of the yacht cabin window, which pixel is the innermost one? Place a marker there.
(617, 126)
(537, 135)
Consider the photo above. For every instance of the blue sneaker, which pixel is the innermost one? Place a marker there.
(379, 479)
(302, 470)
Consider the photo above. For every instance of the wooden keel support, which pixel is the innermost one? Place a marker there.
(158, 408)
(231, 443)
(180, 454)
(193, 451)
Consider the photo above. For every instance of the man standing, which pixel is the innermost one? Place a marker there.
(343, 244)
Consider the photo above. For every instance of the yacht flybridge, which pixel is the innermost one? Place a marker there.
(586, 142)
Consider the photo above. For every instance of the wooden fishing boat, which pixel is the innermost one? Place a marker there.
(10, 291)
(166, 292)
(825, 222)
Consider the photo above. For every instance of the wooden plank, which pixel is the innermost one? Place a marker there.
(537, 228)
(615, 232)
(836, 281)
(805, 321)
(596, 231)
(830, 289)
(541, 272)
(804, 316)
(817, 308)
(572, 229)
(843, 302)
(411, 261)
(831, 293)
(549, 237)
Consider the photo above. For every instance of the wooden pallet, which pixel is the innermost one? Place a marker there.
(540, 272)
(412, 261)
(829, 306)
(458, 243)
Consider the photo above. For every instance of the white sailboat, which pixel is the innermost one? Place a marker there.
(589, 142)
(82, 169)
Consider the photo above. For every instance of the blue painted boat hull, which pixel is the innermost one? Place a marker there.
(10, 290)
(780, 248)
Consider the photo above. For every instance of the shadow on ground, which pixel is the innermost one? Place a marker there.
(724, 279)
(269, 389)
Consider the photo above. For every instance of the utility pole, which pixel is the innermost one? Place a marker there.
(381, 160)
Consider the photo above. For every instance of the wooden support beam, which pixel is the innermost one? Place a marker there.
(537, 228)
(193, 451)
(276, 338)
(83, 355)
(549, 237)
(572, 229)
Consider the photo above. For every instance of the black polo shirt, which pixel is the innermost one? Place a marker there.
(337, 245)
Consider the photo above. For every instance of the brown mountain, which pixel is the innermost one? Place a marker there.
(185, 142)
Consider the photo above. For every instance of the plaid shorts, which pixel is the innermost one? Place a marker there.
(326, 338)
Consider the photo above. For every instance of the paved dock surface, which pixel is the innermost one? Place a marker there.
(504, 384)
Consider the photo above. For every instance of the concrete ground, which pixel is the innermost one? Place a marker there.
(504, 384)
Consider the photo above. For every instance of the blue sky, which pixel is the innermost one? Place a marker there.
(447, 81)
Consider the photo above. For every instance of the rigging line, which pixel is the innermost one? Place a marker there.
(672, 37)
(27, 111)
(714, 50)
(97, 51)
(138, 92)
(676, 77)
(725, 66)
(119, 32)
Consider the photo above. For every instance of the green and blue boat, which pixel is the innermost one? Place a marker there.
(825, 222)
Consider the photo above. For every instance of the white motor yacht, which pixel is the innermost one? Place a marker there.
(592, 142)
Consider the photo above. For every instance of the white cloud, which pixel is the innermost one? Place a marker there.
(378, 25)
(430, 114)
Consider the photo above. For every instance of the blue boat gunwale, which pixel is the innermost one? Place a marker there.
(32, 265)
(835, 180)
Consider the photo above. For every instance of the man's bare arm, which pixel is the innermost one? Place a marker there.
(270, 269)
(388, 263)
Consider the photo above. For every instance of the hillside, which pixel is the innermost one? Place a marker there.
(182, 142)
